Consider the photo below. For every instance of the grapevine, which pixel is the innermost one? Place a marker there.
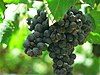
(61, 37)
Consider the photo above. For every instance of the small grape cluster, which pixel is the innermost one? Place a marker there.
(34, 43)
(62, 37)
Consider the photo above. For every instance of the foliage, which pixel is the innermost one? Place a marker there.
(59, 7)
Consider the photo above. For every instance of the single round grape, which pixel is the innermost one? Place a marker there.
(29, 21)
(38, 28)
(34, 22)
(70, 37)
(59, 63)
(78, 16)
(30, 52)
(72, 18)
(47, 33)
(36, 51)
(31, 37)
(45, 24)
(43, 15)
(41, 46)
(61, 23)
(62, 44)
(37, 34)
(47, 40)
(38, 11)
(52, 55)
(63, 71)
(26, 43)
(37, 40)
(40, 20)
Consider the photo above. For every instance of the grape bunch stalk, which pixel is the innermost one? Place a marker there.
(61, 37)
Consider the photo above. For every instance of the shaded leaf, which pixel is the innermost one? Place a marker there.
(88, 16)
(2, 6)
(97, 1)
(2, 9)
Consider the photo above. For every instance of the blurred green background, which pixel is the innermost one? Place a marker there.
(13, 32)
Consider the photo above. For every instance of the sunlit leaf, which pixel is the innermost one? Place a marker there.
(18, 38)
(59, 7)
(2, 9)
(94, 38)
(96, 16)
(10, 30)
(7, 36)
(15, 1)
(91, 2)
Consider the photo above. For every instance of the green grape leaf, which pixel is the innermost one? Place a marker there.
(88, 16)
(59, 7)
(93, 38)
(9, 31)
(97, 1)
(96, 16)
(1, 19)
(2, 9)
(90, 2)
(6, 36)
(2, 6)
(15, 1)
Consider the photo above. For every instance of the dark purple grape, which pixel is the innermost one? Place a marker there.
(36, 51)
(72, 56)
(38, 28)
(29, 21)
(37, 34)
(70, 37)
(52, 55)
(26, 43)
(47, 40)
(40, 20)
(38, 11)
(43, 15)
(47, 33)
(62, 44)
(30, 52)
(59, 63)
(41, 46)
(45, 24)
(61, 23)
(31, 37)
(37, 40)
(72, 18)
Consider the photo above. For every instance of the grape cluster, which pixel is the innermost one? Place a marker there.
(34, 43)
(65, 35)
(62, 37)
